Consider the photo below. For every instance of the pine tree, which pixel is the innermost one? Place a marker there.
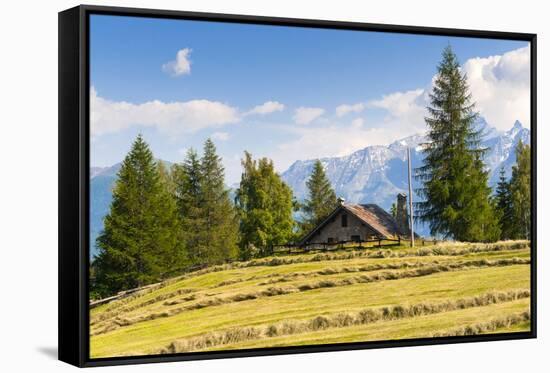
(503, 200)
(140, 240)
(219, 216)
(520, 189)
(456, 196)
(321, 198)
(265, 207)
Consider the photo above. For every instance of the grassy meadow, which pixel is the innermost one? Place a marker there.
(449, 289)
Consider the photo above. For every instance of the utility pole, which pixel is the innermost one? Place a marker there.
(411, 214)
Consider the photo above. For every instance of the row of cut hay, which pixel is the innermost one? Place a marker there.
(275, 291)
(355, 269)
(272, 279)
(109, 314)
(487, 327)
(445, 248)
(339, 320)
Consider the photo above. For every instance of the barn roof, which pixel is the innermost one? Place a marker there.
(378, 219)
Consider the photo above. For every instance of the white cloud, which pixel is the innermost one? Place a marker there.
(337, 139)
(404, 110)
(220, 136)
(305, 115)
(345, 109)
(181, 65)
(500, 86)
(172, 117)
(357, 123)
(266, 108)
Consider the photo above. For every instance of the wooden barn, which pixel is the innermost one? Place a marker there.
(351, 222)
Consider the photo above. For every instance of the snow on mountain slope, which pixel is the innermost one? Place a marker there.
(377, 173)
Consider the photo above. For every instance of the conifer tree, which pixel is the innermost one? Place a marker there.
(187, 181)
(220, 229)
(520, 189)
(265, 207)
(503, 200)
(321, 198)
(140, 239)
(456, 196)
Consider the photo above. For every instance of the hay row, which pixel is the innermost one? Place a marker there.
(444, 249)
(341, 320)
(275, 291)
(486, 327)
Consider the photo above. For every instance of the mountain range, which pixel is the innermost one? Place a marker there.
(375, 174)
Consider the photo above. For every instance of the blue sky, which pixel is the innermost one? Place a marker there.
(283, 92)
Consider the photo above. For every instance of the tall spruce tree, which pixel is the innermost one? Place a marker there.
(265, 207)
(140, 239)
(503, 200)
(219, 215)
(321, 199)
(188, 183)
(456, 196)
(520, 189)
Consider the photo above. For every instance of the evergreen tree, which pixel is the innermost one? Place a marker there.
(219, 216)
(455, 186)
(503, 200)
(140, 239)
(321, 198)
(265, 206)
(188, 192)
(520, 189)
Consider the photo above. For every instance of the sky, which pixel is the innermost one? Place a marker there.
(287, 93)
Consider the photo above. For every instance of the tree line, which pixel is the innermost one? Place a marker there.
(168, 219)
(163, 220)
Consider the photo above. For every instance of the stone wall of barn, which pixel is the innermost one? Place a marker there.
(334, 230)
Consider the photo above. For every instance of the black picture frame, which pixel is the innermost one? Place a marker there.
(73, 166)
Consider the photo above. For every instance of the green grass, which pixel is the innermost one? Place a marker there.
(128, 336)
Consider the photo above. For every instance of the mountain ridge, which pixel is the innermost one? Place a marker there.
(377, 173)
(374, 174)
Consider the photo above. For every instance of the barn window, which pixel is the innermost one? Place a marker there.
(356, 238)
(344, 220)
(330, 240)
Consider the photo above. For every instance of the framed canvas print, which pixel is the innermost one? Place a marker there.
(234, 186)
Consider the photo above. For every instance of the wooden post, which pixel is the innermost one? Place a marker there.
(411, 212)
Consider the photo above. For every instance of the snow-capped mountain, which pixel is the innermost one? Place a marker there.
(376, 174)
(501, 150)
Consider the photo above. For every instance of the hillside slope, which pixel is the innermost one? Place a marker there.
(345, 296)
